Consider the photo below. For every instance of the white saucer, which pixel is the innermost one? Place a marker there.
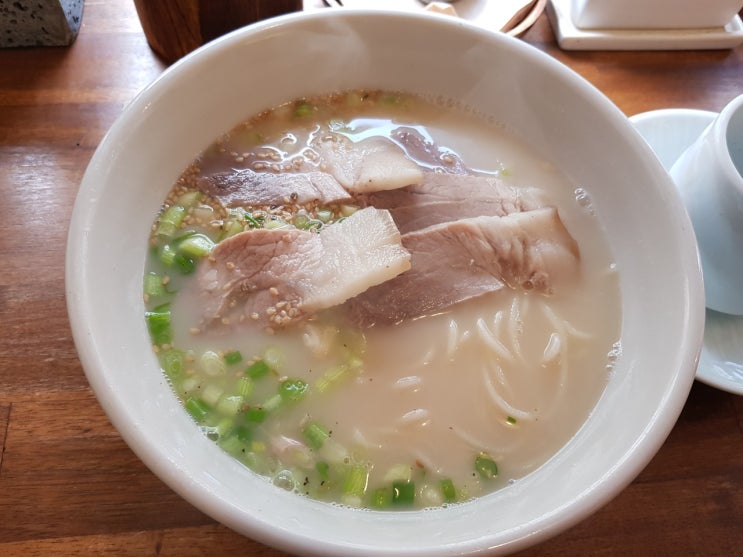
(669, 132)
(570, 37)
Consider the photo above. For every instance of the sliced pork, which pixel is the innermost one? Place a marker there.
(275, 277)
(247, 187)
(463, 259)
(371, 164)
(444, 197)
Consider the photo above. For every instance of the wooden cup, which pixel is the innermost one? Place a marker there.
(176, 27)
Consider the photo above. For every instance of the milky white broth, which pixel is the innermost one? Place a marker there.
(511, 375)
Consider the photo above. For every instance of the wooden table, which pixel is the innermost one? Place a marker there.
(68, 483)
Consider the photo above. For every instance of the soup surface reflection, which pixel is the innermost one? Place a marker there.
(381, 300)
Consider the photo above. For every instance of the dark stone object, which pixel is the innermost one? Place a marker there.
(39, 22)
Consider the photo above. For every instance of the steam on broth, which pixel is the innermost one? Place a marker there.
(377, 300)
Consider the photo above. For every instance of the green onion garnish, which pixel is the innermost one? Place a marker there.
(315, 435)
(233, 357)
(381, 498)
(258, 369)
(173, 363)
(486, 466)
(198, 409)
(303, 108)
(252, 222)
(158, 324)
(292, 389)
(447, 489)
(153, 285)
(403, 492)
(195, 246)
(171, 221)
(356, 480)
(255, 414)
(323, 470)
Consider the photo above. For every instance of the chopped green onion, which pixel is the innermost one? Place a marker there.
(312, 224)
(324, 215)
(233, 357)
(233, 445)
(212, 364)
(323, 470)
(158, 324)
(447, 489)
(211, 394)
(275, 223)
(230, 228)
(399, 472)
(303, 108)
(486, 466)
(331, 377)
(198, 409)
(256, 414)
(190, 198)
(381, 498)
(171, 221)
(184, 264)
(252, 222)
(348, 210)
(153, 285)
(244, 387)
(390, 99)
(403, 492)
(274, 357)
(273, 403)
(258, 369)
(511, 420)
(195, 246)
(301, 220)
(292, 390)
(243, 434)
(173, 363)
(356, 480)
(229, 405)
(315, 435)
(167, 255)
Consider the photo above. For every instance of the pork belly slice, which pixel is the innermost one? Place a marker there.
(247, 187)
(467, 258)
(442, 198)
(372, 164)
(275, 277)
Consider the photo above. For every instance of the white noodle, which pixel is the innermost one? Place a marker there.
(562, 324)
(418, 416)
(502, 404)
(412, 382)
(553, 348)
(515, 326)
(452, 339)
(361, 440)
(487, 336)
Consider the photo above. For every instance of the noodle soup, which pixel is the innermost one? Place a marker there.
(382, 300)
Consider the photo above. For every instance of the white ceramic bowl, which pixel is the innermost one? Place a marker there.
(553, 109)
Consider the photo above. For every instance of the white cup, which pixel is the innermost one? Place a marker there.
(709, 175)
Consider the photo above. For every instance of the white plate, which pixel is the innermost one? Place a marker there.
(669, 132)
(570, 37)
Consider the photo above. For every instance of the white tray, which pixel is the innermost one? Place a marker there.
(570, 37)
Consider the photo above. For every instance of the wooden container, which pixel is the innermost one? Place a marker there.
(176, 27)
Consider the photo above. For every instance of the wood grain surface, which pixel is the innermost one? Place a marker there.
(68, 483)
